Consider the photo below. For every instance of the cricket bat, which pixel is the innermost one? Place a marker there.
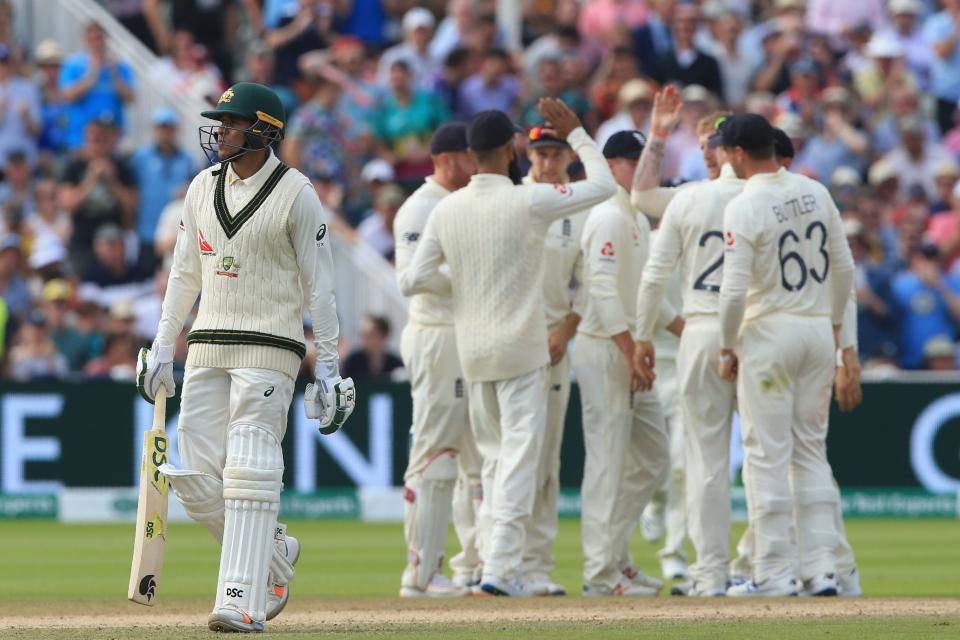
(150, 537)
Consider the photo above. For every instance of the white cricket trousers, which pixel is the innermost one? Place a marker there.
(627, 456)
(708, 403)
(538, 560)
(509, 420)
(786, 368)
(672, 495)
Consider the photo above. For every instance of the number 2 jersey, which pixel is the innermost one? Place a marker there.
(691, 235)
(785, 251)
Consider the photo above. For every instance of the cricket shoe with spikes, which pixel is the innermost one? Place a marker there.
(768, 588)
(636, 576)
(440, 587)
(542, 585)
(849, 584)
(497, 586)
(278, 593)
(230, 619)
(825, 585)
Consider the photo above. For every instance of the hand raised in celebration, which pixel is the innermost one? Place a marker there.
(560, 119)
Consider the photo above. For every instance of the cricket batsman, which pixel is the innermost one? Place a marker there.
(491, 233)
(253, 244)
(786, 282)
(442, 444)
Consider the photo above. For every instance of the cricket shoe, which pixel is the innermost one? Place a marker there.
(673, 567)
(638, 577)
(848, 584)
(652, 525)
(694, 589)
(497, 586)
(622, 588)
(825, 585)
(440, 587)
(230, 619)
(543, 586)
(768, 588)
(278, 594)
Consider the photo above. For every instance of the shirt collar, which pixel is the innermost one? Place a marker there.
(433, 185)
(489, 179)
(760, 178)
(256, 180)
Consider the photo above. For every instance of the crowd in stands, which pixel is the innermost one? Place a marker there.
(868, 91)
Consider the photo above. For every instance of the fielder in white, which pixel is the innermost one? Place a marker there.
(491, 233)
(441, 438)
(627, 450)
(253, 242)
(787, 278)
(549, 158)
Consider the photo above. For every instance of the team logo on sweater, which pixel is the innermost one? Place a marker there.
(563, 189)
(228, 267)
(206, 249)
(607, 250)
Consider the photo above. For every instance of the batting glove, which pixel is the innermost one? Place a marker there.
(155, 367)
(331, 398)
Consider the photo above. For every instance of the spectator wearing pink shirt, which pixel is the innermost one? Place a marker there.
(598, 17)
(944, 231)
(837, 18)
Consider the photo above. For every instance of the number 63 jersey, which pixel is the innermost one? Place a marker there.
(784, 246)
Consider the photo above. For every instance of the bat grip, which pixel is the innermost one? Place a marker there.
(160, 408)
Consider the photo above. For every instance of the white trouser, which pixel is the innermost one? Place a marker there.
(538, 561)
(786, 370)
(627, 455)
(671, 498)
(467, 498)
(708, 403)
(509, 420)
(439, 428)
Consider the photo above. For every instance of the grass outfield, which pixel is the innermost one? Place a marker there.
(349, 572)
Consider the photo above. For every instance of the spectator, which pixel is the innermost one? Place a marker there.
(97, 188)
(802, 97)
(48, 258)
(21, 118)
(945, 177)
(872, 281)
(367, 20)
(47, 218)
(617, 69)
(53, 116)
(836, 18)
(118, 362)
(185, 72)
(259, 67)
(942, 34)
(307, 27)
(927, 305)
(212, 22)
(904, 101)
(377, 229)
(162, 169)
(112, 277)
(13, 288)
(554, 85)
(780, 50)
(456, 69)
(404, 123)
(93, 83)
(316, 141)
(77, 347)
(36, 357)
(939, 354)
(736, 66)
(914, 160)
(457, 22)
(414, 51)
(636, 101)
(359, 93)
(685, 141)
(653, 40)
(906, 30)
(375, 175)
(17, 187)
(885, 73)
(944, 231)
(493, 87)
(684, 64)
(373, 359)
(840, 144)
(599, 17)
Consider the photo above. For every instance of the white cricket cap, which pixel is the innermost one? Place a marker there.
(377, 169)
(881, 46)
(845, 177)
(416, 18)
(905, 6)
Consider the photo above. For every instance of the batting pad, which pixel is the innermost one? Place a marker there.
(200, 494)
(427, 515)
(252, 479)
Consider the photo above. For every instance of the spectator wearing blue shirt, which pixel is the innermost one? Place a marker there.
(840, 144)
(92, 83)
(928, 305)
(161, 169)
(20, 115)
(942, 33)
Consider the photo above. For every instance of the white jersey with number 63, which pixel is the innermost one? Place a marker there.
(785, 246)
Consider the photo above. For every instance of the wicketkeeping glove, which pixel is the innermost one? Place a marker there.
(155, 366)
(331, 399)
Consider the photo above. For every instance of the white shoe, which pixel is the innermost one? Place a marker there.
(623, 588)
(673, 567)
(825, 585)
(543, 586)
(694, 590)
(652, 524)
(497, 586)
(849, 584)
(636, 576)
(230, 619)
(440, 587)
(278, 594)
(767, 588)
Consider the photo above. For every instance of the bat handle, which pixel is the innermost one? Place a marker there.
(160, 408)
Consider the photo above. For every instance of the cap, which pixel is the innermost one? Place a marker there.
(47, 250)
(416, 18)
(782, 144)
(11, 241)
(844, 176)
(694, 93)
(107, 233)
(624, 144)
(770, 28)
(947, 168)
(880, 172)
(805, 65)
(56, 289)
(250, 101)
(905, 6)
(792, 125)
(105, 119)
(836, 95)
(538, 138)
(852, 227)
(389, 196)
(489, 130)
(48, 52)
(911, 123)
(36, 318)
(633, 90)
(749, 131)
(377, 169)
(780, 5)
(884, 46)
(164, 116)
(939, 347)
(449, 138)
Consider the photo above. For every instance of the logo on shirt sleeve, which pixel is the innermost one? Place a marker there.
(729, 240)
(563, 189)
(607, 250)
(206, 249)
(321, 234)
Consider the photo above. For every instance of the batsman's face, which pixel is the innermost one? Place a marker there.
(230, 135)
(549, 164)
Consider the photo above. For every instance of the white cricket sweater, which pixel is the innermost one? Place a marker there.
(254, 254)
(491, 233)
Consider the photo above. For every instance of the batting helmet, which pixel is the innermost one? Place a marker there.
(252, 102)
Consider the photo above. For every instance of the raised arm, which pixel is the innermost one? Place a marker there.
(646, 194)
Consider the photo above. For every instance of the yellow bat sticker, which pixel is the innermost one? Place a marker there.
(155, 454)
(154, 527)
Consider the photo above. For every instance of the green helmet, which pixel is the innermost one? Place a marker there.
(250, 101)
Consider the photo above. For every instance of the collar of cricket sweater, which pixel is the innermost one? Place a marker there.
(435, 186)
(763, 178)
(256, 180)
(489, 179)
